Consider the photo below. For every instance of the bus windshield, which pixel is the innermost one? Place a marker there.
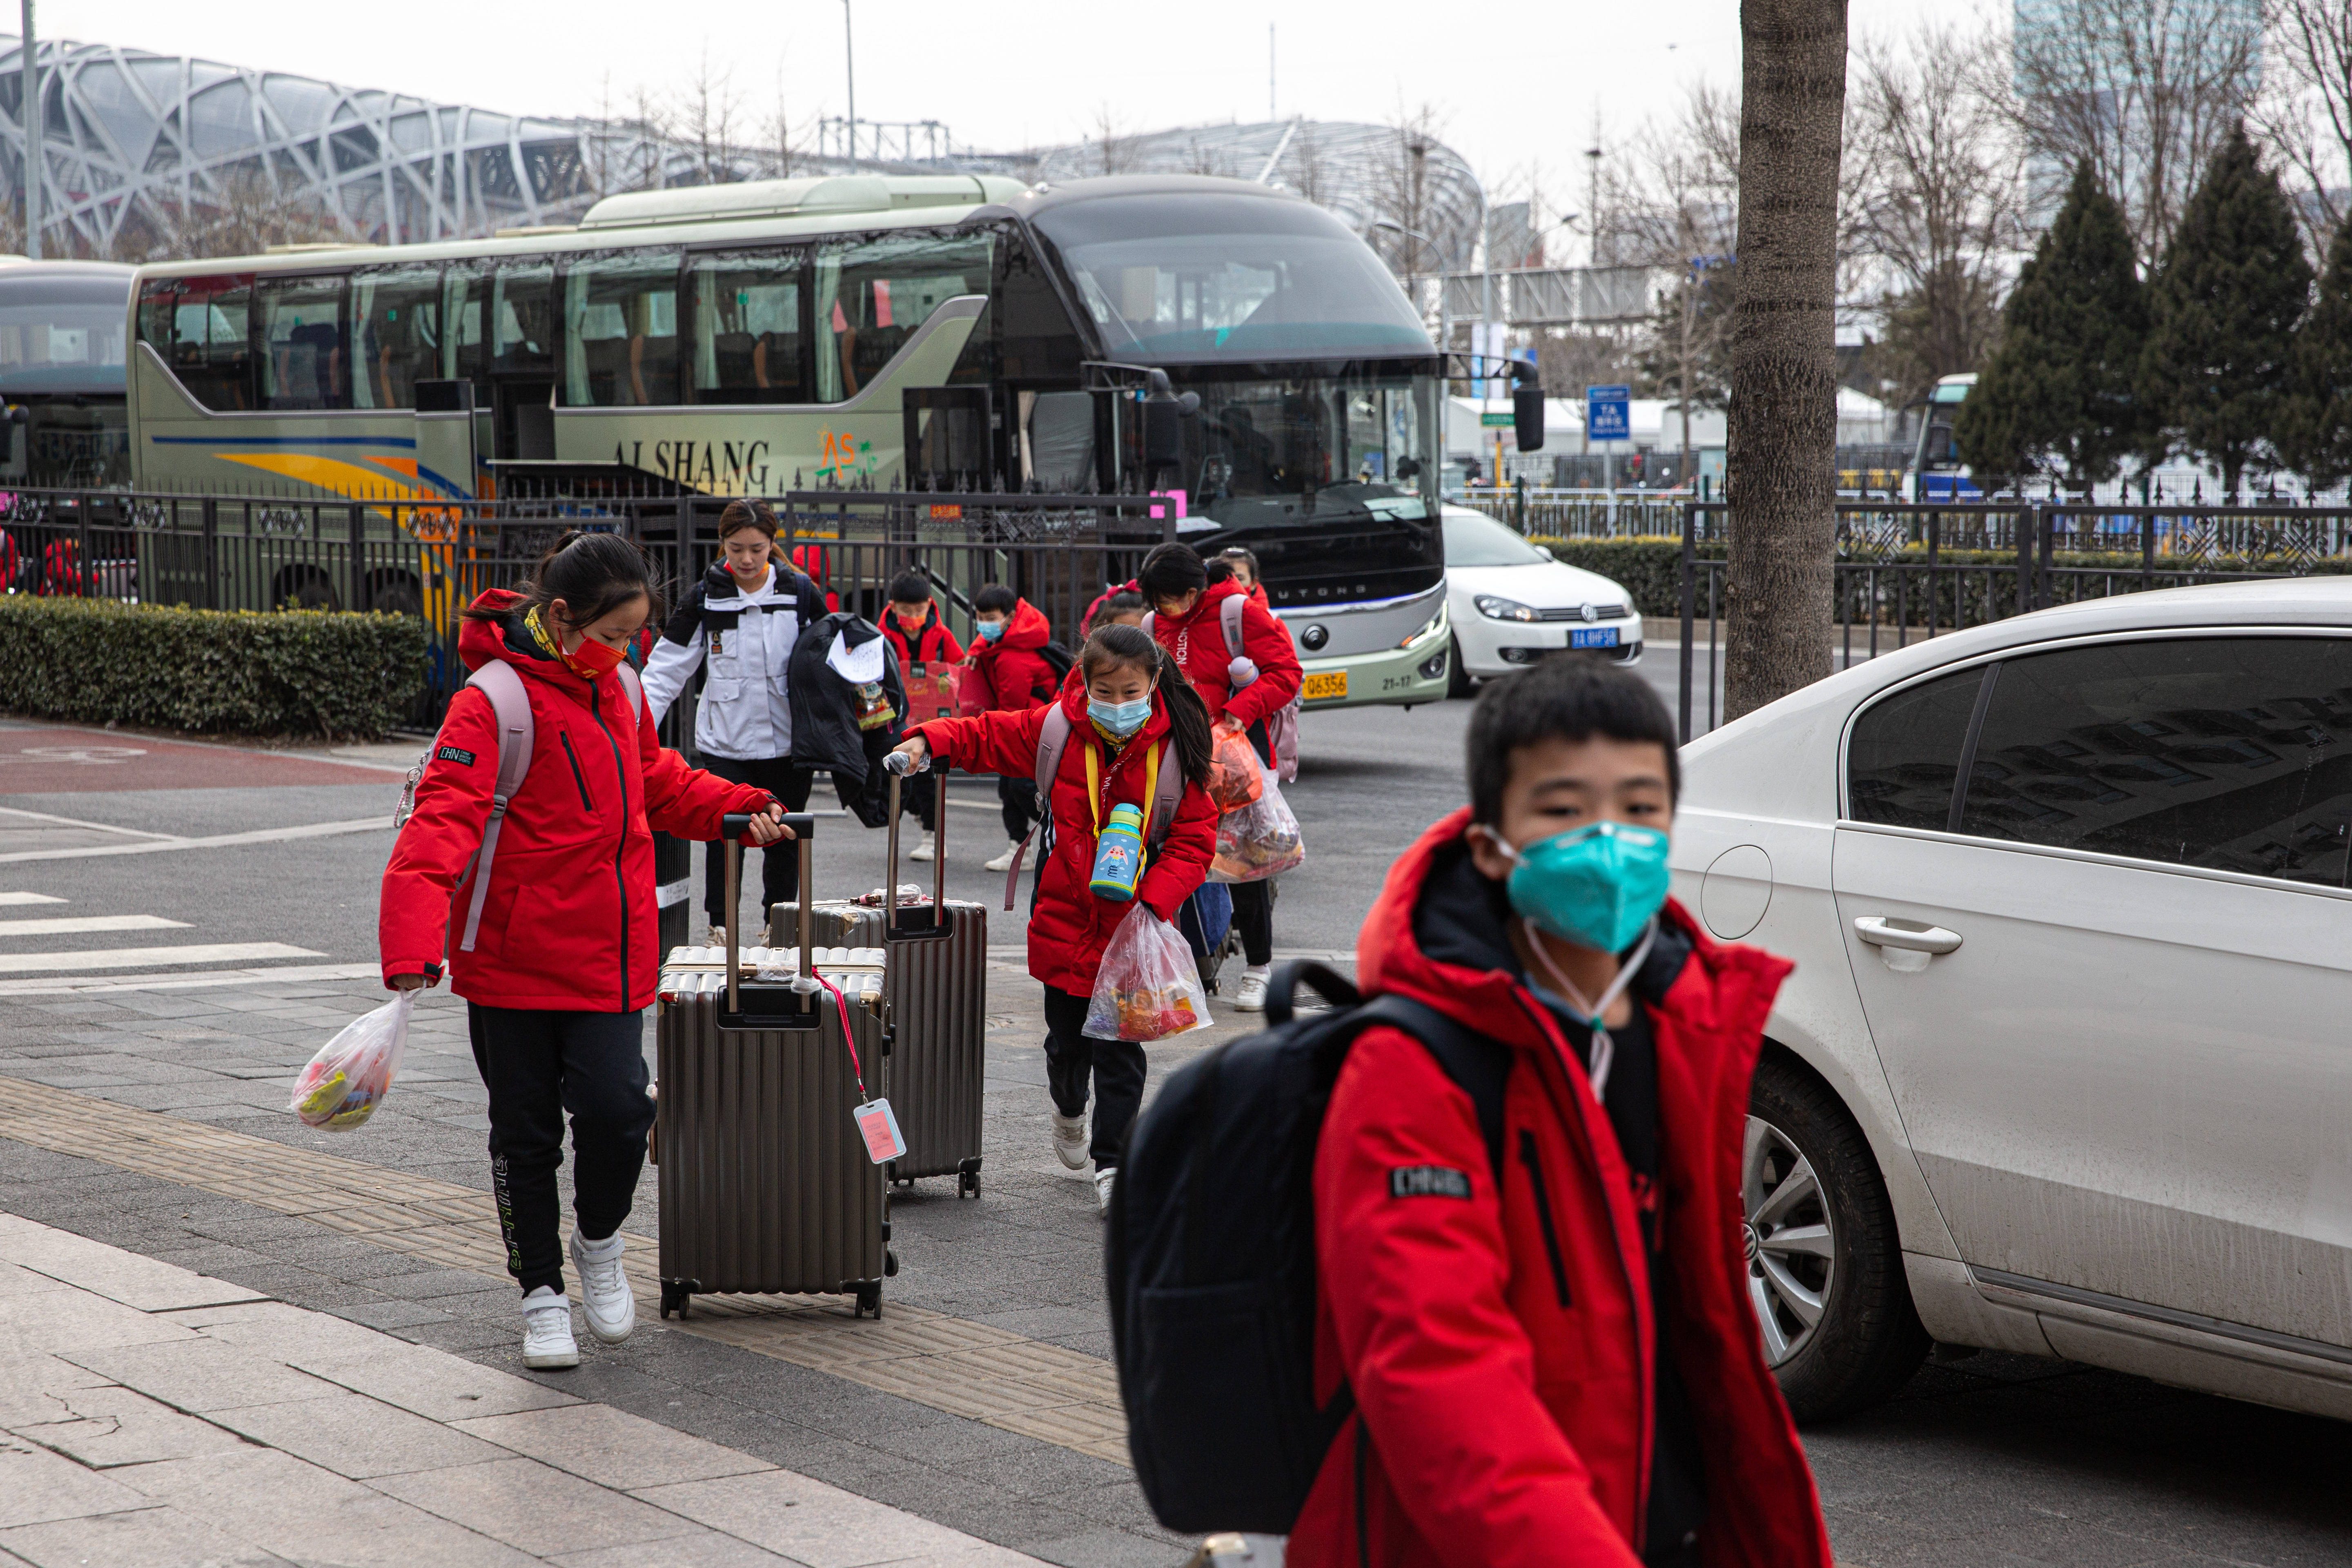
(1177, 278)
(63, 335)
(1310, 449)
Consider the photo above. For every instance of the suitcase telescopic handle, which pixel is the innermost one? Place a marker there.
(732, 826)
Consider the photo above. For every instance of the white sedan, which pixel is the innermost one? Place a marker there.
(1511, 602)
(2062, 1068)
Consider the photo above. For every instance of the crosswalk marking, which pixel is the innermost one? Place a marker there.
(29, 899)
(150, 957)
(70, 925)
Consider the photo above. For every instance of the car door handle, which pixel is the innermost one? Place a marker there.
(1909, 935)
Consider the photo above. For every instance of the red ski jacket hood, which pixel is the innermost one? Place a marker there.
(1501, 1351)
(1018, 676)
(570, 922)
(1198, 641)
(1068, 925)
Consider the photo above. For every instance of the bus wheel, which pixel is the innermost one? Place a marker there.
(395, 593)
(307, 588)
(1457, 675)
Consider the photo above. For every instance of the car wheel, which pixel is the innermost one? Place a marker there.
(1457, 675)
(1824, 1262)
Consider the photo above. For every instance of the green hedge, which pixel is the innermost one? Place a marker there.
(287, 673)
(1651, 570)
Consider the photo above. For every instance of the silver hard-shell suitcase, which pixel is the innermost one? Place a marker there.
(765, 1185)
(935, 986)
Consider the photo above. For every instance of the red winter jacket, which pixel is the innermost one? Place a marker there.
(1197, 638)
(569, 924)
(1070, 926)
(1018, 676)
(934, 644)
(1510, 1419)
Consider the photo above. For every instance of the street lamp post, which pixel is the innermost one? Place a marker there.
(850, 60)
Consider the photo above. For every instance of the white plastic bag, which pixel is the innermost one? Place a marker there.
(352, 1074)
(1148, 987)
(1258, 841)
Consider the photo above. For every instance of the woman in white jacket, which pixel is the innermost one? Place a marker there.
(737, 627)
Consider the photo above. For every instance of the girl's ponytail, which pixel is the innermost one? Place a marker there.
(1187, 717)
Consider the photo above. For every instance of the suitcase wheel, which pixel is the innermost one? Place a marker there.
(889, 1264)
(675, 1298)
(869, 1298)
(967, 1184)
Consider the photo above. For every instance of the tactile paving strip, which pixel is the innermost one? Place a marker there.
(992, 1375)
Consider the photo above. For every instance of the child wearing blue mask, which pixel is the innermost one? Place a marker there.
(1532, 1277)
(1129, 722)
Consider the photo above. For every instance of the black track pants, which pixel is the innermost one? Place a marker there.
(1116, 1067)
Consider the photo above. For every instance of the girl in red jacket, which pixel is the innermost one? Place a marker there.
(1243, 691)
(1135, 720)
(564, 955)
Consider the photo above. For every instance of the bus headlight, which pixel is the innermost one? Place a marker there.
(1495, 609)
(1429, 628)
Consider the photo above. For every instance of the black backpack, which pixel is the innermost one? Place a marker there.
(1060, 659)
(1210, 1255)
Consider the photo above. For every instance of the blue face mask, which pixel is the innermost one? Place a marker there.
(1596, 887)
(1120, 718)
(988, 630)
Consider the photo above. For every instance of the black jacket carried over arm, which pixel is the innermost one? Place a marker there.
(824, 716)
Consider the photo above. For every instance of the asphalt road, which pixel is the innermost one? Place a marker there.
(1991, 1459)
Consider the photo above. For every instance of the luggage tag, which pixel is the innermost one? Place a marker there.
(878, 1125)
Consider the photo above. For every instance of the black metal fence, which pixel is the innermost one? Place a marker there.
(1905, 572)
(434, 558)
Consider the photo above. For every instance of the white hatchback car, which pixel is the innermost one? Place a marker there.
(2063, 1067)
(1511, 604)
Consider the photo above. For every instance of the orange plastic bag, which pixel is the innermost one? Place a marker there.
(1234, 777)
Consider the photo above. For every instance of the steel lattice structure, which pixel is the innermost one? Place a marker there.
(147, 155)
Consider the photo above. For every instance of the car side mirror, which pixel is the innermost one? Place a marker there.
(1545, 550)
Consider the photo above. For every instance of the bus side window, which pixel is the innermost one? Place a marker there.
(871, 297)
(750, 342)
(198, 326)
(522, 323)
(396, 318)
(305, 345)
(620, 329)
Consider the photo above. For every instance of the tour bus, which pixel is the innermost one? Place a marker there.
(61, 369)
(864, 331)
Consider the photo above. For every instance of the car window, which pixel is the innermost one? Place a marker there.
(2234, 753)
(1472, 540)
(1905, 752)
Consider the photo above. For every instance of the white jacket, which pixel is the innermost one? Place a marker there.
(745, 640)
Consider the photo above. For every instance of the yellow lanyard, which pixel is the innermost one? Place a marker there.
(1093, 784)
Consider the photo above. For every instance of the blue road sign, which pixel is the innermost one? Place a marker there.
(1608, 412)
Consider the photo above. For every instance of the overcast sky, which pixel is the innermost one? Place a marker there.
(1515, 87)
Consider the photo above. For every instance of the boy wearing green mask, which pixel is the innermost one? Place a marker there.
(1530, 1285)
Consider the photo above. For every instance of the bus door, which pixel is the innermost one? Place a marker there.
(950, 435)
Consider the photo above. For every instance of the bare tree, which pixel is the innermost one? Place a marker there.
(1783, 404)
(1112, 146)
(2305, 111)
(2145, 90)
(1940, 173)
(1405, 196)
(246, 213)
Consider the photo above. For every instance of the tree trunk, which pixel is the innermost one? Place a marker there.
(1780, 475)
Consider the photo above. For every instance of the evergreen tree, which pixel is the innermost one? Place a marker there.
(2222, 311)
(2059, 394)
(2315, 434)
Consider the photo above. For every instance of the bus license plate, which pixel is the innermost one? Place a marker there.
(1324, 685)
(1593, 636)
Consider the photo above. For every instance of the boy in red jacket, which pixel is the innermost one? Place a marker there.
(1007, 650)
(1243, 692)
(926, 649)
(1530, 1331)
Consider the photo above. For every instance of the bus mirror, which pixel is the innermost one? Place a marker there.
(1528, 417)
(1164, 414)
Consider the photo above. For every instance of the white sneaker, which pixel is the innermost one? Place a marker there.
(1070, 1139)
(1003, 862)
(610, 1306)
(1103, 1180)
(1249, 996)
(924, 850)
(547, 1342)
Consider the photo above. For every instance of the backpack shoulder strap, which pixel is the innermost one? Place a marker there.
(517, 732)
(1166, 798)
(1229, 616)
(634, 684)
(1150, 620)
(1053, 740)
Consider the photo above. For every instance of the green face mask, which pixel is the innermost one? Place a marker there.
(1596, 886)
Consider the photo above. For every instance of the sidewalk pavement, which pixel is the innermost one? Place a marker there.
(153, 1415)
